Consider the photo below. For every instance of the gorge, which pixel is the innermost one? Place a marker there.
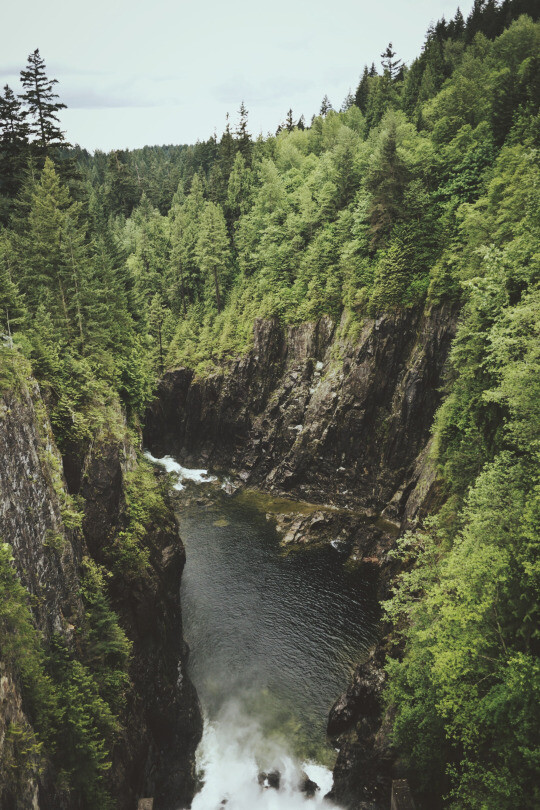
(277, 399)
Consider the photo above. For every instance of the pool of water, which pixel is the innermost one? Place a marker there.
(274, 635)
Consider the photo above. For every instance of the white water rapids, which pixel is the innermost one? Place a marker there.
(182, 473)
(232, 754)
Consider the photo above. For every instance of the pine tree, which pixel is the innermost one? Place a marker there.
(42, 102)
(121, 190)
(348, 102)
(213, 251)
(226, 152)
(13, 126)
(239, 188)
(53, 255)
(391, 66)
(326, 106)
(289, 122)
(386, 181)
(243, 138)
(362, 91)
(14, 133)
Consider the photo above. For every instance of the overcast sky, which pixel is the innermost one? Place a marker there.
(136, 73)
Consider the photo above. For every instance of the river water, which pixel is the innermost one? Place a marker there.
(274, 635)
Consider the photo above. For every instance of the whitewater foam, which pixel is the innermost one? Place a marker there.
(232, 754)
(182, 473)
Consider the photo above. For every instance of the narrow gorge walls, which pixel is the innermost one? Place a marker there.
(92, 659)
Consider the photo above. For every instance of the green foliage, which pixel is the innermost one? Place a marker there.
(465, 695)
(71, 703)
(145, 511)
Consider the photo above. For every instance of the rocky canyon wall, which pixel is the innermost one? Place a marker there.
(161, 723)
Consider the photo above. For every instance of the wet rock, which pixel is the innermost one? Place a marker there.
(307, 786)
(356, 725)
(228, 487)
(269, 780)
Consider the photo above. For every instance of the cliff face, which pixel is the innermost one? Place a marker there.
(308, 414)
(155, 752)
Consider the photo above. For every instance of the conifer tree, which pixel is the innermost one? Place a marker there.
(390, 64)
(14, 132)
(326, 106)
(289, 122)
(362, 91)
(13, 126)
(213, 250)
(243, 138)
(42, 102)
(239, 188)
(226, 152)
(348, 102)
(386, 181)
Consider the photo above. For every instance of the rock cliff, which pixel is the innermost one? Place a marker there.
(161, 724)
(309, 414)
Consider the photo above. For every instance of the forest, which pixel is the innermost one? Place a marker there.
(423, 188)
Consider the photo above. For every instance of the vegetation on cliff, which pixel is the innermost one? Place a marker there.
(425, 187)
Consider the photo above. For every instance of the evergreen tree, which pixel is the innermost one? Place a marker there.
(14, 132)
(42, 102)
(326, 106)
(243, 138)
(239, 189)
(362, 91)
(122, 192)
(386, 181)
(390, 64)
(13, 126)
(213, 251)
(348, 102)
(289, 122)
(226, 154)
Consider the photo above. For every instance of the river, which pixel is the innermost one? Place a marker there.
(274, 635)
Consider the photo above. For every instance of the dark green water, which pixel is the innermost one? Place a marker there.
(278, 633)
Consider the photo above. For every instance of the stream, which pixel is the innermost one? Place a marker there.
(274, 635)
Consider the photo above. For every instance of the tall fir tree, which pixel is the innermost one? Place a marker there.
(42, 102)
(390, 64)
(14, 131)
(213, 251)
(362, 91)
(243, 138)
(326, 106)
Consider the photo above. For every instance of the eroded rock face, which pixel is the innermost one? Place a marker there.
(162, 721)
(365, 762)
(307, 414)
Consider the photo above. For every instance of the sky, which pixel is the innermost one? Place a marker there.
(134, 73)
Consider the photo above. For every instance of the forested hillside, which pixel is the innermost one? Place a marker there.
(424, 188)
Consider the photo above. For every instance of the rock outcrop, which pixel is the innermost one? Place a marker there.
(161, 724)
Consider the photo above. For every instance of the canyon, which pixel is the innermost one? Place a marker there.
(308, 414)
